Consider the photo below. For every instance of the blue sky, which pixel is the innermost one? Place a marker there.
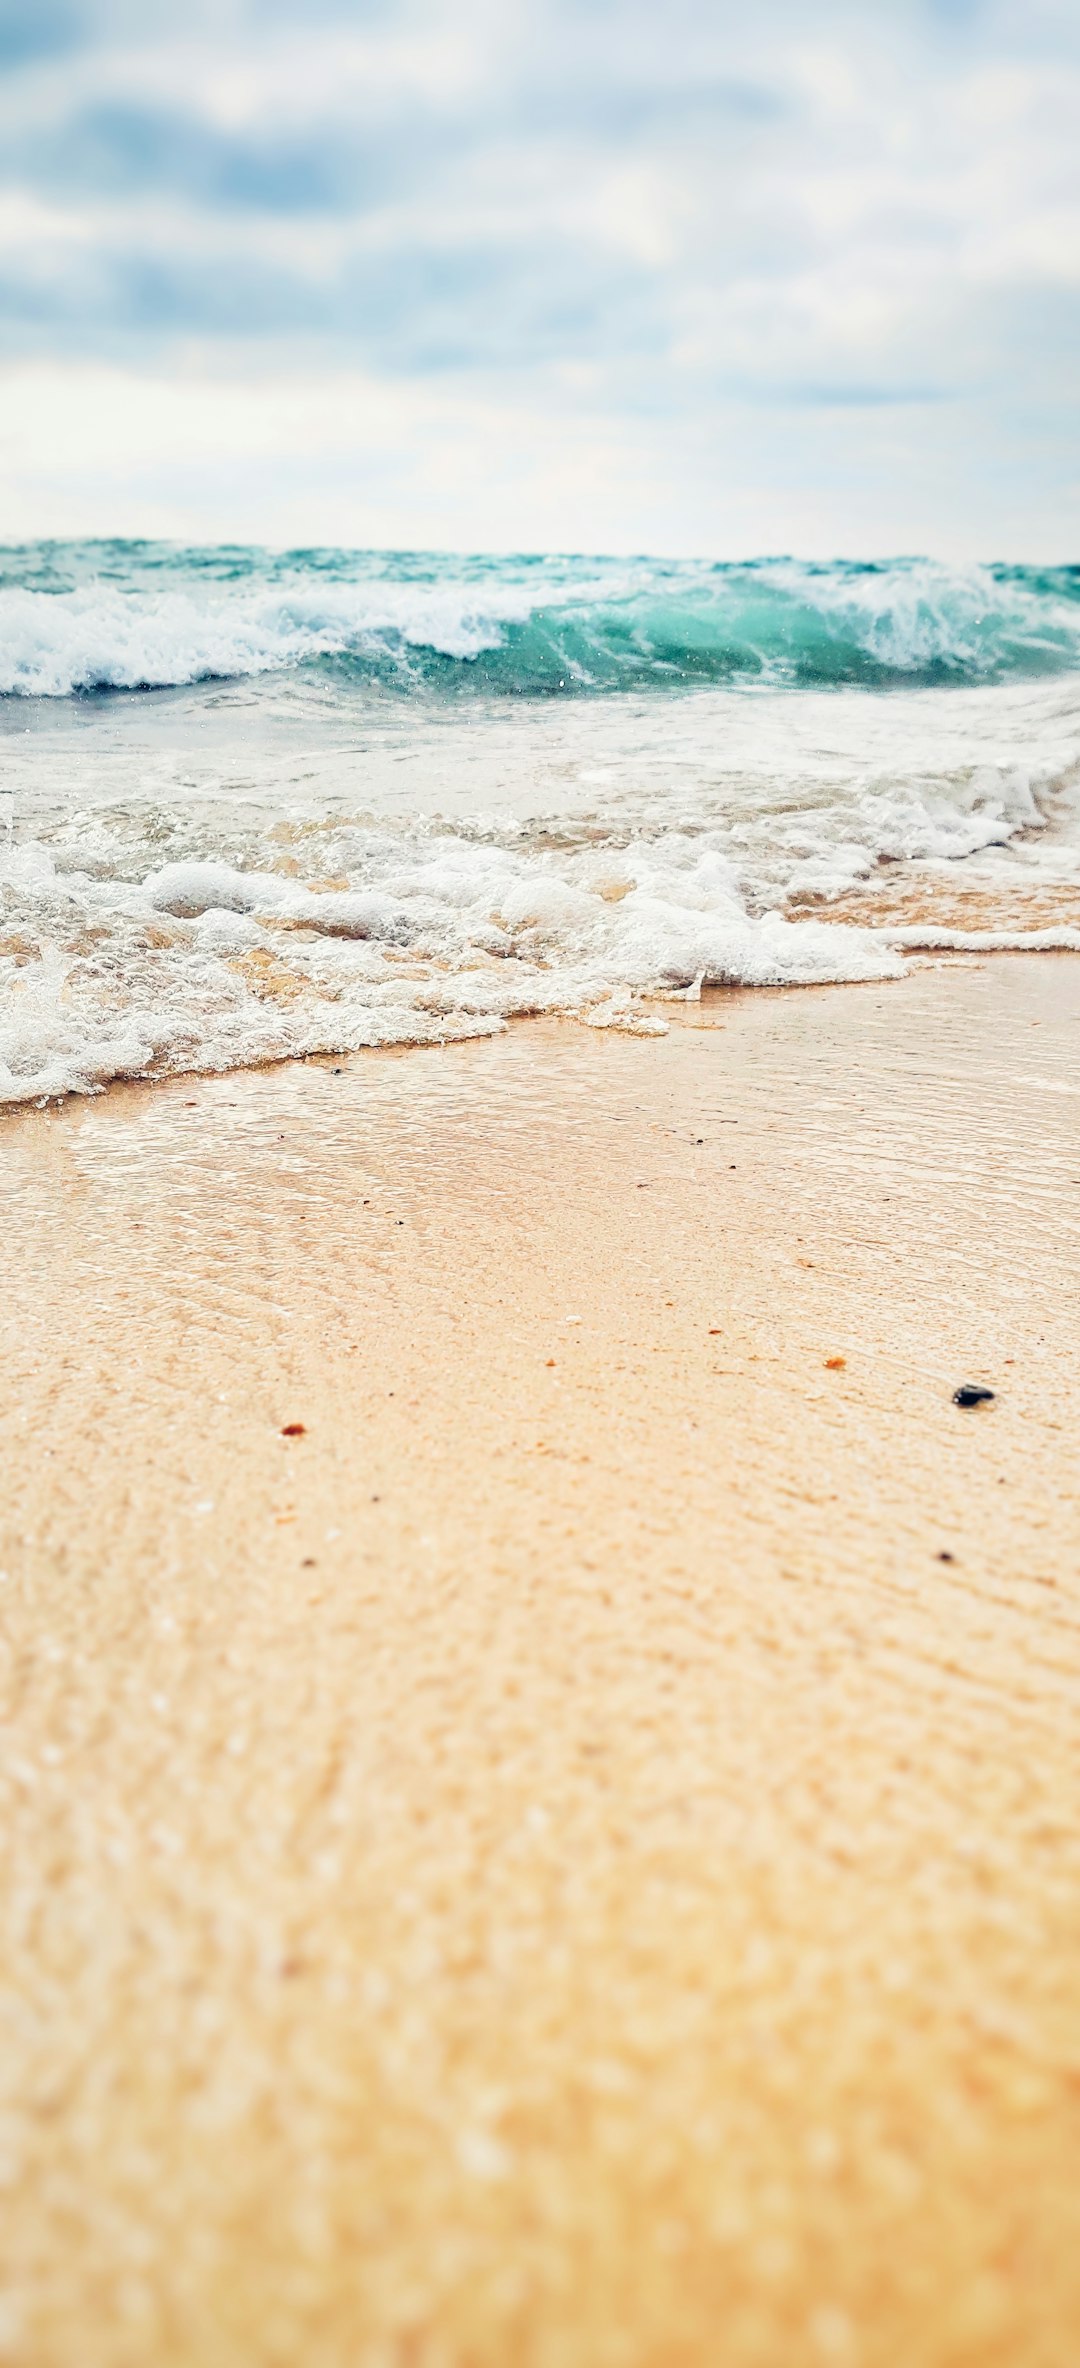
(582, 272)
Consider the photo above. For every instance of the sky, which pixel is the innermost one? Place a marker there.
(597, 275)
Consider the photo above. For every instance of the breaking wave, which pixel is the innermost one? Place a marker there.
(77, 619)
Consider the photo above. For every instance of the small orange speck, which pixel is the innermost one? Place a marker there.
(551, 1360)
(835, 1364)
(293, 1430)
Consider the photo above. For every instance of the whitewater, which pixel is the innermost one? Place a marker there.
(257, 805)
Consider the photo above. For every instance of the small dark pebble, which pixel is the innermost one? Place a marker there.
(293, 1430)
(309, 1562)
(972, 1393)
(946, 1557)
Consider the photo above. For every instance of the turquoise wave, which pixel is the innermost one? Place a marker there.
(79, 619)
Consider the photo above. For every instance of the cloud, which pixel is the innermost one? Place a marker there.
(571, 202)
(123, 150)
(38, 32)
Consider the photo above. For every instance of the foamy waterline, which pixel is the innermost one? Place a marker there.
(373, 825)
(200, 966)
(343, 936)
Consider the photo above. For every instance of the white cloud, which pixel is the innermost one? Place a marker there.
(632, 244)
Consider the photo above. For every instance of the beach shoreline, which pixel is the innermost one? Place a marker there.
(540, 1740)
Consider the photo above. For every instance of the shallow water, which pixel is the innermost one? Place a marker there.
(258, 805)
(611, 1775)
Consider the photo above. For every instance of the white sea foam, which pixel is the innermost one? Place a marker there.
(203, 966)
(264, 873)
(928, 939)
(207, 966)
(93, 638)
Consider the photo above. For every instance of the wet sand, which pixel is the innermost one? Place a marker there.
(572, 1859)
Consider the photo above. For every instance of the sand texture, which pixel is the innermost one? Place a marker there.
(572, 1861)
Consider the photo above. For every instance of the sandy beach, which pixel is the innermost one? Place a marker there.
(568, 1858)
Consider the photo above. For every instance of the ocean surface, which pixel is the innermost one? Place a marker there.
(259, 804)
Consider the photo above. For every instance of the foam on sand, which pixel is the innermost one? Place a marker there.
(201, 966)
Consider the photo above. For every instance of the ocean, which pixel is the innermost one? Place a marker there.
(257, 805)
